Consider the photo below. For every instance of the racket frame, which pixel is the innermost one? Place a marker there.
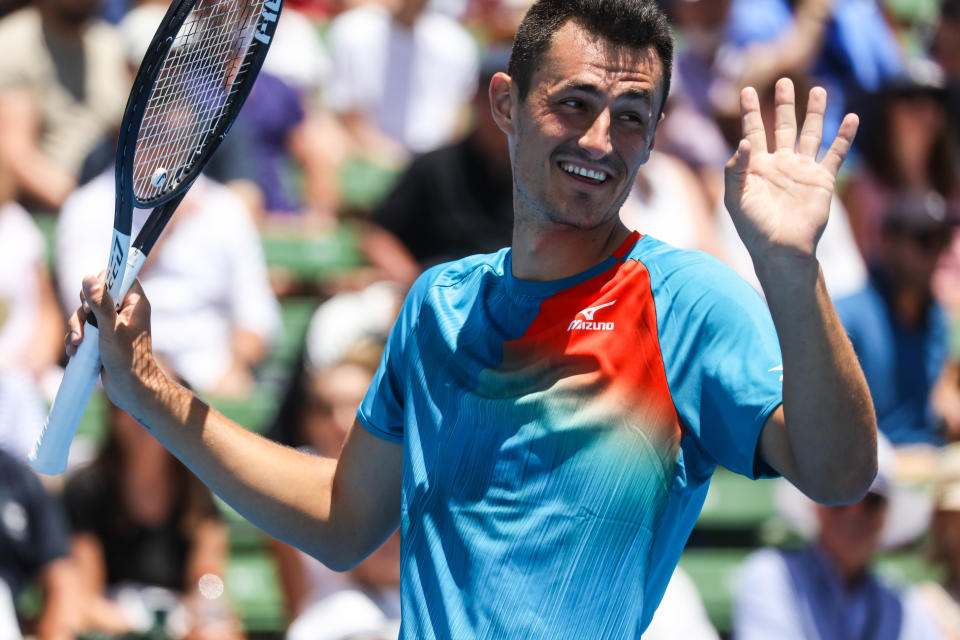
(49, 454)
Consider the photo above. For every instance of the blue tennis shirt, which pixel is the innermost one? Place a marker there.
(559, 437)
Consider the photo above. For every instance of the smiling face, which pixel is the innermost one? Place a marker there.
(585, 127)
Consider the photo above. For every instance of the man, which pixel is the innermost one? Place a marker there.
(387, 60)
(61, 92)
(827, 590)
(546, 418)
(898, 329)
(450, 202)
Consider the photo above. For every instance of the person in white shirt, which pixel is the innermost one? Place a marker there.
(214, 314)
(386, 61)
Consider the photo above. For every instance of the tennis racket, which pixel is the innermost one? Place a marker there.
(195, 76)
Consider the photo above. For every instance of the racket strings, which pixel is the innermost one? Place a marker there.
(194, 88)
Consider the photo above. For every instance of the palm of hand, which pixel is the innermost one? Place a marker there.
(780, 201)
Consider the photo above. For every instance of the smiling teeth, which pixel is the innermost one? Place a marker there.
(599, 176)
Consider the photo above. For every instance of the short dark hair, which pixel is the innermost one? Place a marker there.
(633, 23)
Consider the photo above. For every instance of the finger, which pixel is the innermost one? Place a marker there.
(785, 120)
(74, 332)
(841, 145)
(97, 296)
(752, 120)
(812, 133)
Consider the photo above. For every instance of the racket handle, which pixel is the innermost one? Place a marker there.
(49, 454)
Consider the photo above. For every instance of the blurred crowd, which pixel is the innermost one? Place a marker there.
(395, 92)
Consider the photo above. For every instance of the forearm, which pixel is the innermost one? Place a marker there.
(285, 492)
(830, 428)
(41, 181)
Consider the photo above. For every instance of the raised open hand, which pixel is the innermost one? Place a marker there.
(780, 199)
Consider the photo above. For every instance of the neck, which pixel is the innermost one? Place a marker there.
(910, 305)
(850, 571)
(549, 251)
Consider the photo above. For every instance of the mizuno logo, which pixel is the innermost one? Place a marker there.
(587, 324)
(777, 368)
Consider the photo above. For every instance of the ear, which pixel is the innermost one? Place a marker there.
(504, 97)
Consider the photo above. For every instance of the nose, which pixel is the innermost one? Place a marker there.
(596, 139)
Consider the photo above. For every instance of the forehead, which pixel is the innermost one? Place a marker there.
(577, 56)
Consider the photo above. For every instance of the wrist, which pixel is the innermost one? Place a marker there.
(787, 276)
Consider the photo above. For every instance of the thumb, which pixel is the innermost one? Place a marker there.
(735, 174)
(101, 304)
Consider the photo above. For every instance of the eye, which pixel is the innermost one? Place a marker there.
(631, 117)
(573, 103)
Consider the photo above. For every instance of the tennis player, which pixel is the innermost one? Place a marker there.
(546, 419)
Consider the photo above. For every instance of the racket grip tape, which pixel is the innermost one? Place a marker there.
(49, 454)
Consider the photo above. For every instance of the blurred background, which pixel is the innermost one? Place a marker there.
(365, 154)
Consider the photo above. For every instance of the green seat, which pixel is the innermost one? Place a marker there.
(312, 257)
(255, 592)
(735, 501)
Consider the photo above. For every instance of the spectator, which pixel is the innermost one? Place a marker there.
(284, 129)
(897, 328)
(33, 546)
(214, 314)
(386, 59)
(31, 325)
(845, 46)
(827, 590)
(908, 144)
(942, 599)
(62, 88)
(316, 415)
(141, 519)
(451, 202)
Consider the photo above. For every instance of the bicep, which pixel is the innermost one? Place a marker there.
(366, 490)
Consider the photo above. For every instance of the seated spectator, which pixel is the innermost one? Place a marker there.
(908, 143)
(62, 88)
(898, 329)
(827, 590)
(451, 202)
(214, 313)
(33, 546)
(31, 325)
(845, 46)
(387, 58)
(942, 599)
(140, 519)
(318, 411)
(290, 140)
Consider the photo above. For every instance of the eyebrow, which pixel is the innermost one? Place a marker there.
(629, 94)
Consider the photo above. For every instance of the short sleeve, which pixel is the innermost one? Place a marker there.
(722, 357)
(381, 411)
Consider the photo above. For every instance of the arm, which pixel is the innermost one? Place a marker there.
(337, 510)
(44, 350)
(36, 177)
(98, 613)
(58, 620)
(823, 437)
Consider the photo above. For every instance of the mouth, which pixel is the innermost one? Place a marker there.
(589, 176)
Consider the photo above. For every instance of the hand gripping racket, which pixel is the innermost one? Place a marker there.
(195, 76)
